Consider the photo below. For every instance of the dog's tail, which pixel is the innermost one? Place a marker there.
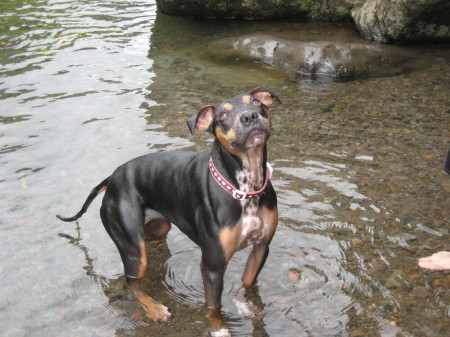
(95, 191)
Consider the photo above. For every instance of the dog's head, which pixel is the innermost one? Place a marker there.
(239, 123)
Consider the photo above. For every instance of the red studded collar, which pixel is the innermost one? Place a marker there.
(228, 187)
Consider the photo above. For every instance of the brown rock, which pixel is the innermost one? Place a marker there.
(375, 268)
(420, 292)
(358, 333)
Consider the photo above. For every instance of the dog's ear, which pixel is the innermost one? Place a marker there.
(265, 95)
(202, 121)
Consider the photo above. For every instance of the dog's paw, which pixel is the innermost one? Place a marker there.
(246, 309)
(220, 333)
(157, 312)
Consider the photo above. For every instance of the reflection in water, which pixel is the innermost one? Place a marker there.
(358, 172)
(119, 297)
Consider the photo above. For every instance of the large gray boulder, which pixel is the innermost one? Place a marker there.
(399, 21)
(326, 59)
(403, 20)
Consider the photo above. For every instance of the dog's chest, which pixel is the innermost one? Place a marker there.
(252, 231)
(252, 227)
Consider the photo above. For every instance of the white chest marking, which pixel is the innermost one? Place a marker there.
(252, 228)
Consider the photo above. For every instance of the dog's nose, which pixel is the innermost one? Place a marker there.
(248, 117)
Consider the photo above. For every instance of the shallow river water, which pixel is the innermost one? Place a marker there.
(87, 85)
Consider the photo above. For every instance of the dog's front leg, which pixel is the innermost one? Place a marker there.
(258, 256)
(254, 264)
(213, 270)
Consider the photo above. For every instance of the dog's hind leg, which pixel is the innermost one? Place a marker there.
(156, 229)
(124, 223)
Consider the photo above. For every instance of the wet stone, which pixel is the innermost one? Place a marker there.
(428, 244)
(437, 283)
(396, 280)
(408, 237)
(420, 292)
(340, 231)
(375, 268)
(357, 242)
(388, 308)
(443, 230)
(428, 331)
(358, 333)
(430, 313)
(380, 235)
(446, 283)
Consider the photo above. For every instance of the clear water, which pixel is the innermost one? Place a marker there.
(87, 85)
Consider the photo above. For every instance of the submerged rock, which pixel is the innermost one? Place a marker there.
(420, 292)
(396, 280)
(338, 60)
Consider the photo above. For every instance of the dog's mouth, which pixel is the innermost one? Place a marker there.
(257, 137)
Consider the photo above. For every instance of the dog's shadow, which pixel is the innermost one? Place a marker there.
(189, 319)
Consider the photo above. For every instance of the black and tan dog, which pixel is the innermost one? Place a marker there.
(221, 199)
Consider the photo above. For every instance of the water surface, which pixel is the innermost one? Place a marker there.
(87, 85)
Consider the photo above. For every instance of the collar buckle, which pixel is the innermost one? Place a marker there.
(239, 195)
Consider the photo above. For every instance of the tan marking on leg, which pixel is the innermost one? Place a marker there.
(215, 318)
(143, 266)
(229, 238)
(153, 309)
(253, 265)
(270, 219)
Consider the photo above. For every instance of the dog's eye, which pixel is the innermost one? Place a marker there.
(223, 115)
(256, 103)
